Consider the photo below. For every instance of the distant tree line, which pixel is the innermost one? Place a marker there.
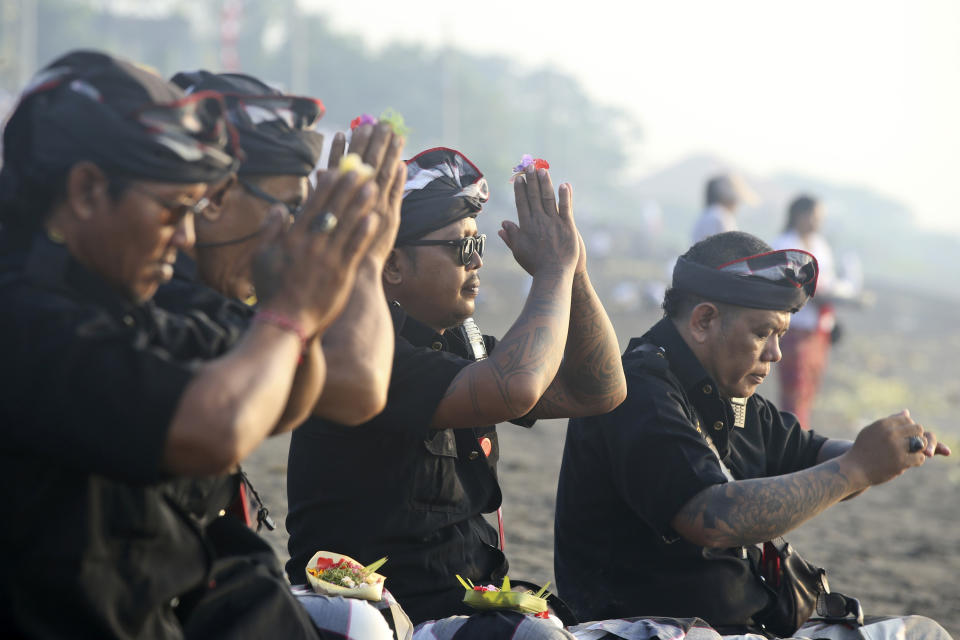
(491, 108)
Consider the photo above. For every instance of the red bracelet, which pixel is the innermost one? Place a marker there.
(283, 322)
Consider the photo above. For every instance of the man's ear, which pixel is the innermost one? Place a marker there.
(393, 269)
(221, 198)
(702, 319)
(87, 190)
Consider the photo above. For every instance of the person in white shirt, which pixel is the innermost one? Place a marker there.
(724, 194)
(806, 345)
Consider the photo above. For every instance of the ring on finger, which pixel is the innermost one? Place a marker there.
(916, 443)
(324, 223)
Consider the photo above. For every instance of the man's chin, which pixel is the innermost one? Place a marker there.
(748, 391)
(740, 391)
(143, 291)
(457, 319)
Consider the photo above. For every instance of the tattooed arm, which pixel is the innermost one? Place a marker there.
(834, 448)
(747, 512)
(511, 381)
(359, 346)
(590, 380)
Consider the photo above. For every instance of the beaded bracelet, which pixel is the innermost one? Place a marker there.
(283, 322)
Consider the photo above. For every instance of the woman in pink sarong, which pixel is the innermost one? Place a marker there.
(806, 345)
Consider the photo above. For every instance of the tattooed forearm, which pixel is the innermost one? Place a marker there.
(747, 512)
(509, 383)
(590, 380)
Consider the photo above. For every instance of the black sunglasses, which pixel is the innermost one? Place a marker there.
(257, 192)
(467, 246)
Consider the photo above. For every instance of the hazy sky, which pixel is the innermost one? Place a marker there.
(866, 92)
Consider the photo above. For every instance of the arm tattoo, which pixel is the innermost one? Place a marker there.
(747, 512)
(530, 353)
(591, 376)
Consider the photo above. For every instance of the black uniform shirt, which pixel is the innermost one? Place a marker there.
(90, 385)
(626, 474)
(186, 295)
(397, 487)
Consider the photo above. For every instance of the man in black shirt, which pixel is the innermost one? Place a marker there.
(107, 400)
(661, 503)
(281, 146)
(214, 278)
(412, 483)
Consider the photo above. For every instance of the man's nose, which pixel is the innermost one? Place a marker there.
(475, 261)
(771, 352)
(185, 236)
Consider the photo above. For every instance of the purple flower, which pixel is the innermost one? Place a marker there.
(362, 120)
(525, 161)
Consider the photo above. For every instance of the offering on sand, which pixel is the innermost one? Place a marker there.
(491, 597)
(334, 574)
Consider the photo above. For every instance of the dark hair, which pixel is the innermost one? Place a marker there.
(720, 190)
(712, 251)
(802, 205)
(27, 200)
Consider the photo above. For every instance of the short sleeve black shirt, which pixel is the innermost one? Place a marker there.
(626, 474)
(187, 296)
(397, 487)
(90, 385)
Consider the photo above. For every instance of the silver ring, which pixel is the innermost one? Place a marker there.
(916, 443)
(324, 223)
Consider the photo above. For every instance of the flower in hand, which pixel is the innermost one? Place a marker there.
(525, 161)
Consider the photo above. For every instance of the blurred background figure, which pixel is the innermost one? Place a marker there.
(724, 193)
(812, 329)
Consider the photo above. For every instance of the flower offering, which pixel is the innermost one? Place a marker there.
(334, 574)
(525, 161)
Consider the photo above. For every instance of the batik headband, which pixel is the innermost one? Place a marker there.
(779, 280)
(277, 131)
(443, 186)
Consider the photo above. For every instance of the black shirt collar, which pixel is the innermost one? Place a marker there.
(683, 363)
(420, 335)
(700, 388)
(50, 265)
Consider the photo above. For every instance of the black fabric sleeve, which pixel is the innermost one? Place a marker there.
(789, 447)
(658, 459)
(419, 380)
(88, 393)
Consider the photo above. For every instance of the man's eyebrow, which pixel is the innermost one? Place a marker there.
(768, 324)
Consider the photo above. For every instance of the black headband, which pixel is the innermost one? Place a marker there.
(276, 130)
(778, 280)
(443, 186)
(90, 106)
